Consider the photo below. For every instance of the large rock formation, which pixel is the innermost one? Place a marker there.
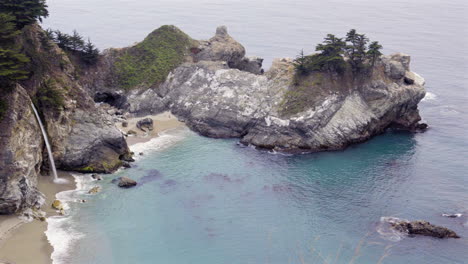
(219, 93)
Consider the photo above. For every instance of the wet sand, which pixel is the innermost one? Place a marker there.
(26, 243)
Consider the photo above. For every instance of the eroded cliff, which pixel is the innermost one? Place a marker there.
(83, 137)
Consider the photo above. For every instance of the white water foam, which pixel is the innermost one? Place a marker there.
(386, 231)
(429, 97)
(61, 232)
(163, 141)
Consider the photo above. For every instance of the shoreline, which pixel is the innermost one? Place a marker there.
(18, 236)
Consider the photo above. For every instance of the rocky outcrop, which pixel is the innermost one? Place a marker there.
(217, 101)
(423, 228)
(221, 93)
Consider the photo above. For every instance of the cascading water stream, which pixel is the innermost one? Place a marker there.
(49, 149)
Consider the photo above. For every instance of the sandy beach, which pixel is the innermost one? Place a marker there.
(18, 236)
(162, 122)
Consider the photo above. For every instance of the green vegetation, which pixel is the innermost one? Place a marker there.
(149, 62)
(75, 44)
(333, 51)
(25, 12)
(11, 60)
(49, 96)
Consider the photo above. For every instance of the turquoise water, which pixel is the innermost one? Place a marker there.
(212, 201)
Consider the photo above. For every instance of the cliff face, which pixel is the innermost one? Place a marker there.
(220, 93)
(83, 137)
(20, 154)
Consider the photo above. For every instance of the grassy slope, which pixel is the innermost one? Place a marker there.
(149, 62)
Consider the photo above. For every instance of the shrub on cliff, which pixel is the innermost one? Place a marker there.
(149, 62)
(49, 96)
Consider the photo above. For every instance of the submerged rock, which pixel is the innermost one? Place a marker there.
(423, 228)
(94, 190)
(97, 177)
(125, 182)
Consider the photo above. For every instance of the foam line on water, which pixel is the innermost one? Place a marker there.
(163, 141)
(61, 231)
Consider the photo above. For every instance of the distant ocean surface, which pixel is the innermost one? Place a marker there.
(212, 201)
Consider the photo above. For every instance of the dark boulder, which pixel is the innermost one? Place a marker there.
(145, 124)
(423, 228)
(124, 182)
(97, 177)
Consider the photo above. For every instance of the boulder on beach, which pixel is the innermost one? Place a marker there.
(125, 182)
(423, 228)
(57, 204)
(145, 124)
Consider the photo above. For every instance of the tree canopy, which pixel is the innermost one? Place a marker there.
(25, 12)
(75, 44)
(11, 60)
(333, 51)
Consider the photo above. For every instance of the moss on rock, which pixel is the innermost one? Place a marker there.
(149, 62)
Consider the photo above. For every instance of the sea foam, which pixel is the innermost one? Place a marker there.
(61, 232)
(429, 97)
(387, 232)
(163, 141)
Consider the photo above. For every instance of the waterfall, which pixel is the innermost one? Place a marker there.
(49, 149)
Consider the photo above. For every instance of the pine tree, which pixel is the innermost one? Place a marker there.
(11, 67)
(11, 60)
(332, 50)
(374, 52)
(76, 41)
(25, 11)
(63, 40)
(300, 63)
(356, 50)
(7, 28)
(90, 53)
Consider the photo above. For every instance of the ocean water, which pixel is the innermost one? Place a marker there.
(213, 201)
